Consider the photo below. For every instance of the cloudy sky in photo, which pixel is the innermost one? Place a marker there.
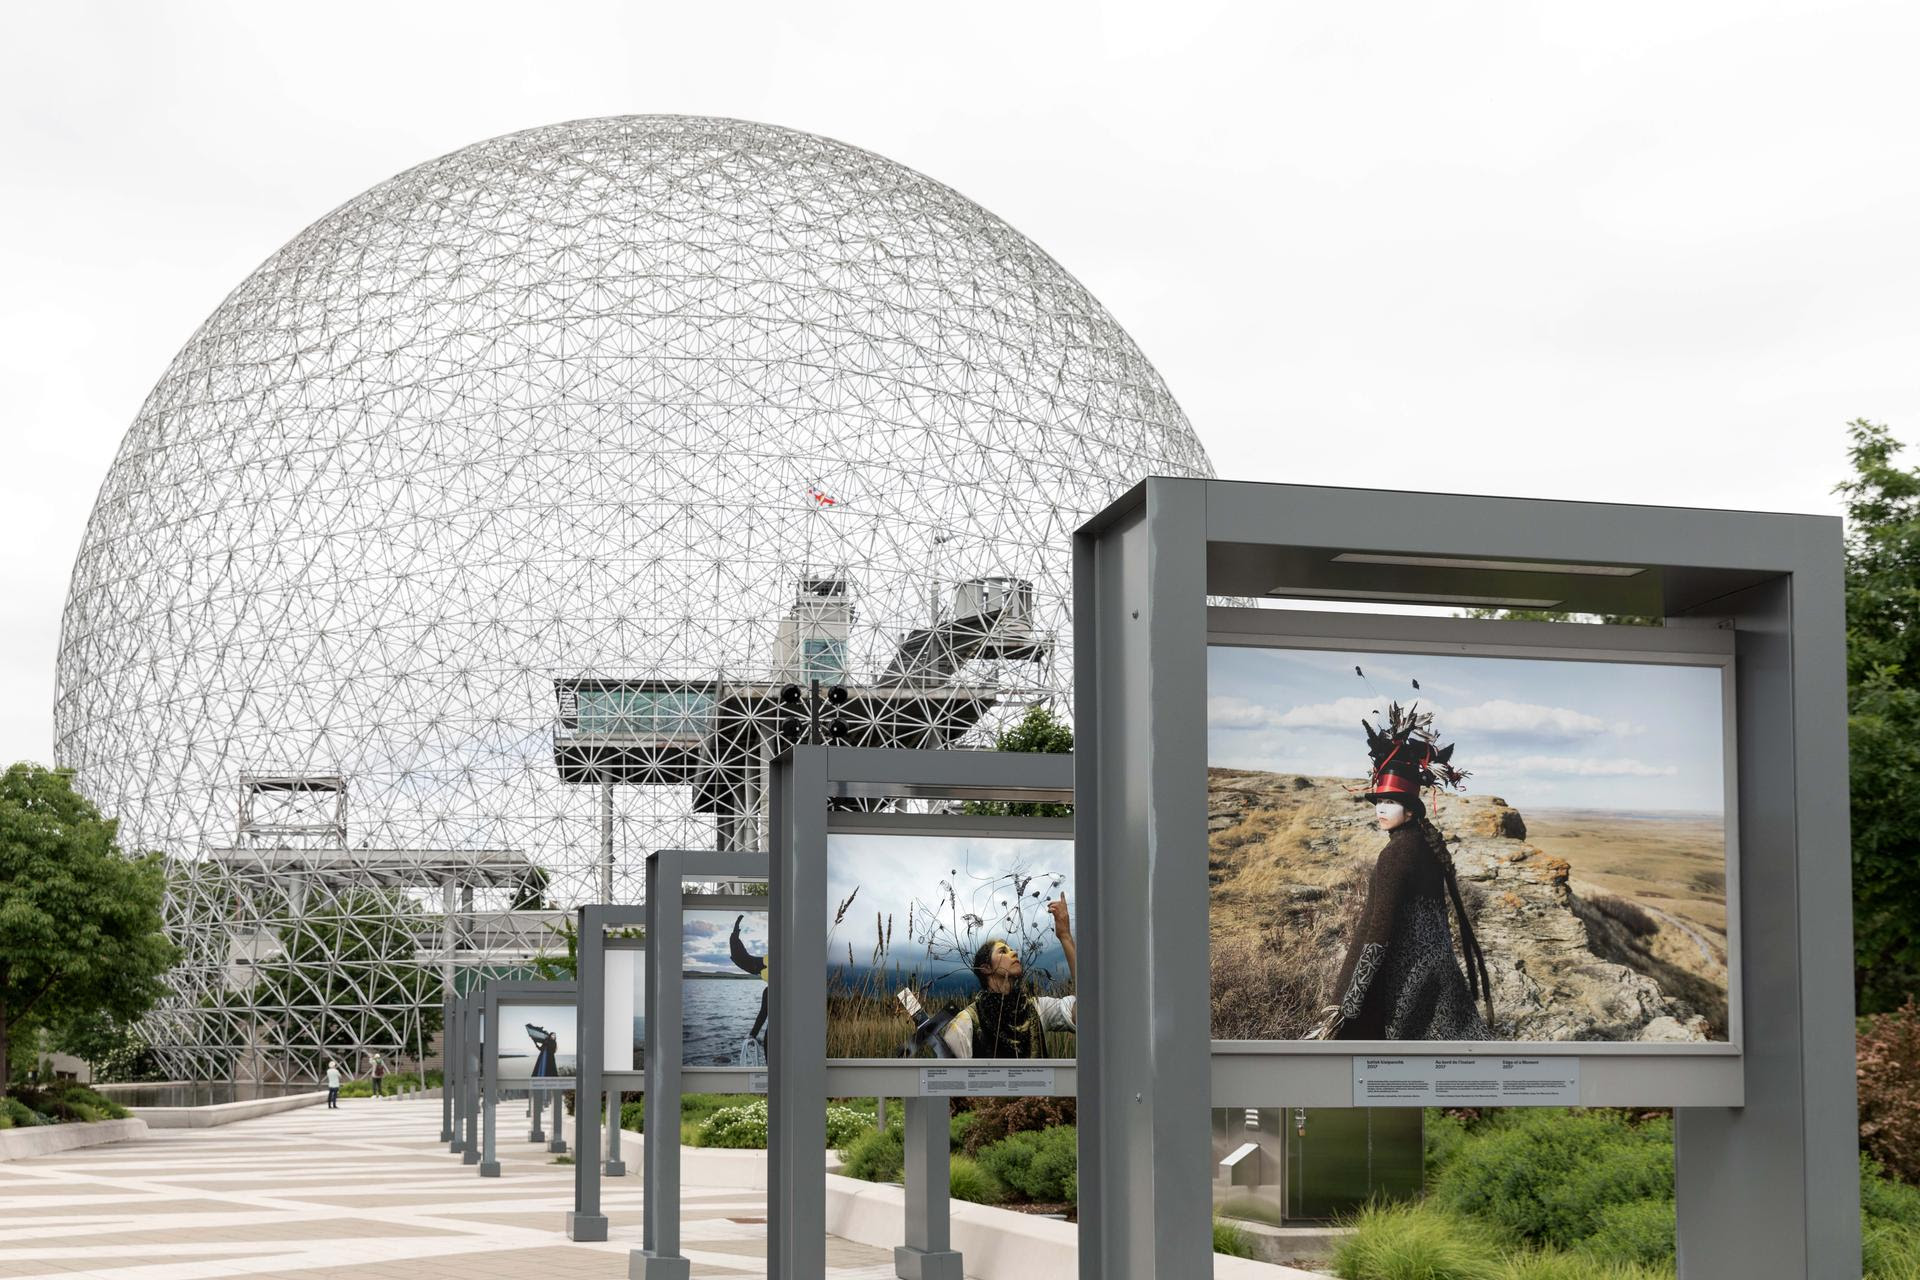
(893, 873)
(704, 934)
(1636, 252)
(516, 1046)
(1537, 733)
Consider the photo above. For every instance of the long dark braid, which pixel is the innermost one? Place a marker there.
(1478, 982)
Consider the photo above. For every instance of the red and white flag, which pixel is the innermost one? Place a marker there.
(820, 497)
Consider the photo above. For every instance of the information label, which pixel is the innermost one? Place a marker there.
(986, 1082)
(757, 1082)
(1466, 1082)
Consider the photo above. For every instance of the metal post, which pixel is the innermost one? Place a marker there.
(536, 1111)
(614, 1167)
(796, 1066)
(471, 1051)
(490, 1091)
(446, 1065)
(606, 840)
(1140, 596)
(658, 1257)
(928, 1253)
(585, 1222)
(559, 1144)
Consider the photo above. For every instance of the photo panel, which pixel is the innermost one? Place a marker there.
(625, 1015)
(950, 947)
(539, 1045)
(1466, 847)
(725, 1005)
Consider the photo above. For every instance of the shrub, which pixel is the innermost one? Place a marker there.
(1414, 1242)
(844, 1124)
(966, 1180)
(1889, 1252)
(1446, 1134)
(1887, 1070)
(737, 1127)
(959, 1127)
(1639, 1231)
(878, 1155)
(633, 1116)
(1549, 1265)
(1894, 1203)
(998, 1118)
(1042, 1167)
(1233, 1241)
(1546, 1176)
(19, 1113)
(1630, 916)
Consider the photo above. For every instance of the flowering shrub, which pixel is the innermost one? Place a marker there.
(1888, 1071)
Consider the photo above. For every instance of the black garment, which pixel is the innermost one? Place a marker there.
(747, 962)
(333, 1097)
(1007, 1025)
(1401, 980)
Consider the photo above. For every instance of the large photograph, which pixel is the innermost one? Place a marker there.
(539, 1046)
(626, 1006)
(724, 998)
(949, 947)
(1464, 848)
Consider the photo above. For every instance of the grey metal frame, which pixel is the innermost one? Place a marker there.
(593, 1083)
(1767, 1188)
(447, 1075)
(668, 870)
(804, 780)
(467, 1124)
(492, 996)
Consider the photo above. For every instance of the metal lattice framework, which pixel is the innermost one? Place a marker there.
(468, 550)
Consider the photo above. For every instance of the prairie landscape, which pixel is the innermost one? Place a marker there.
(1596, 925)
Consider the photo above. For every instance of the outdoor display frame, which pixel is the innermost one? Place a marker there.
(490, 998)
(1640, 1076)
(667, 872)
(805, 780)
(593, 1083)
(1766, 1166)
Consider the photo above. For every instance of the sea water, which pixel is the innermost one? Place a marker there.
(716, 1015)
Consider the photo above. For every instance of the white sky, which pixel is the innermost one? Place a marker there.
(1636, 252)
(1540, 734)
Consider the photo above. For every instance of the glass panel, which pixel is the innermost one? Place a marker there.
(646, 712)
(826, 660)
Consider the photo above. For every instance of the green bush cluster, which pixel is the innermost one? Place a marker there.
(1544, 1177)
(1570, 1195)
(63, 1103)
(966, 1180)
(390, 1084)
(737, 1127)
(878, 1155)
(1042, 1166)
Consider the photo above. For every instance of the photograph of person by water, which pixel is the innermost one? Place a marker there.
(1464, 848)
(539, 1046)
(950, 947)
(724, 998)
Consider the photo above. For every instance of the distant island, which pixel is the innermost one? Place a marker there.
(733, 975)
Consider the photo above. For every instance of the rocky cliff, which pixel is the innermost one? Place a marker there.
(1289, 857)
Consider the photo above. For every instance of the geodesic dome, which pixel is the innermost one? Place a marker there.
(467, 551)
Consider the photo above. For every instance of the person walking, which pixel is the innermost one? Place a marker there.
(379, 1076)
(333, 1085)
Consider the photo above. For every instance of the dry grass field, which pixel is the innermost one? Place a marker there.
(1672, 866)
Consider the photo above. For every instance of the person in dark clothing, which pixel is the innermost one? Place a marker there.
(1400, 979)
(754, 1047)
(546, 1046)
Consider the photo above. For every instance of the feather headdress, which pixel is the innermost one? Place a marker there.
(1407, 754)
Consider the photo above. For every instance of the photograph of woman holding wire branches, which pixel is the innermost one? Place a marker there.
(971, 953)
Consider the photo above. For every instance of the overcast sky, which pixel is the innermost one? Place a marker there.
(1635, 252)
(1538, 734)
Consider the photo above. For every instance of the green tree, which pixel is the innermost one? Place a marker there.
(1039, 730)
(1883, 715)
(80, 922)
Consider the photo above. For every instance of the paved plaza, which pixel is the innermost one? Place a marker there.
(358, 1193)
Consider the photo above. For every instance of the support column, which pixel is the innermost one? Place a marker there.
(535, 1112)
(606, 841)
(559, 1144)
(489, 1092)
(658, 1257)
(928, 1253)
(615, 1167)
(585, 1221)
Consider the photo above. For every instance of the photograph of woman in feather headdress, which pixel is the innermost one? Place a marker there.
(1401, 979)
